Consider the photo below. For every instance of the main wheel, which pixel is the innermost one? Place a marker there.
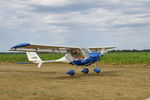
(71, 72)
(85, 71)
(97, 70)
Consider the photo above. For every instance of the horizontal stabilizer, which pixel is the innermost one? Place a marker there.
(25, 62)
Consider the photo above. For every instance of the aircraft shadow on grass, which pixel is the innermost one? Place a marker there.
(51, 75)
(102, 74)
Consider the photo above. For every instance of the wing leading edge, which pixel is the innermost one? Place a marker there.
(33, 47)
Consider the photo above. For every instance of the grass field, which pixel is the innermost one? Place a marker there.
(109, 58)
(11, 58)
(127, 58)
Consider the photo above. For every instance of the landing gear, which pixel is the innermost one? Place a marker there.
(97, 70)
(85, 71)
(71, 72)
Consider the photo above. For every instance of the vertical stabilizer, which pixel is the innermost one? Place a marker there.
(32, 56)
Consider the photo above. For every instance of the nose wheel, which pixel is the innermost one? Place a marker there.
(97, 70)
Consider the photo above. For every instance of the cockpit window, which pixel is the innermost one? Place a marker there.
(76, 54)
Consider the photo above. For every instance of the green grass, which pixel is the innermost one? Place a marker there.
(109, 58)
(127, 58)
(13, 57)
(10, 58)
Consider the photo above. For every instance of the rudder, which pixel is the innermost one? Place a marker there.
(32, 56)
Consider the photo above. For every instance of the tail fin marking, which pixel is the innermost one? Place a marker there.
(32, 56)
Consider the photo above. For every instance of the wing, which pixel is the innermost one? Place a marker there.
(102, 48)
(40, 48)
(44, 48)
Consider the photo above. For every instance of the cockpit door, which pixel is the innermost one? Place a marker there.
(85, 52)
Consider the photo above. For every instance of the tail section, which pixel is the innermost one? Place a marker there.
(32, 56)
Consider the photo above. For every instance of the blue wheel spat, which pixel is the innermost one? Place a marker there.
(97, 70)
(85, 71)
(71, 72)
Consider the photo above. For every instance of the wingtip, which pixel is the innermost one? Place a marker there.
(20, 45)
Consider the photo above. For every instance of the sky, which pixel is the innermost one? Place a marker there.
(83, 23)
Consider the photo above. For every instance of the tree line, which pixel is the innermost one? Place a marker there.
(133, 50)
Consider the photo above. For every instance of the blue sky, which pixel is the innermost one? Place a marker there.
(84, 23)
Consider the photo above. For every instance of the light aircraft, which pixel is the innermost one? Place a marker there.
(74, 55)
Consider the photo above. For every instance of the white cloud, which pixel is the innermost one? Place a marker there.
(105, 21)
(98, 17)
(49, 2)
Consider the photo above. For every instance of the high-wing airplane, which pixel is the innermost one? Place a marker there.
(74, 55)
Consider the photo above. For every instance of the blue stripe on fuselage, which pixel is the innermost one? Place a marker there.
(93, 57)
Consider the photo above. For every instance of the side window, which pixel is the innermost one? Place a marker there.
(76, 54)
